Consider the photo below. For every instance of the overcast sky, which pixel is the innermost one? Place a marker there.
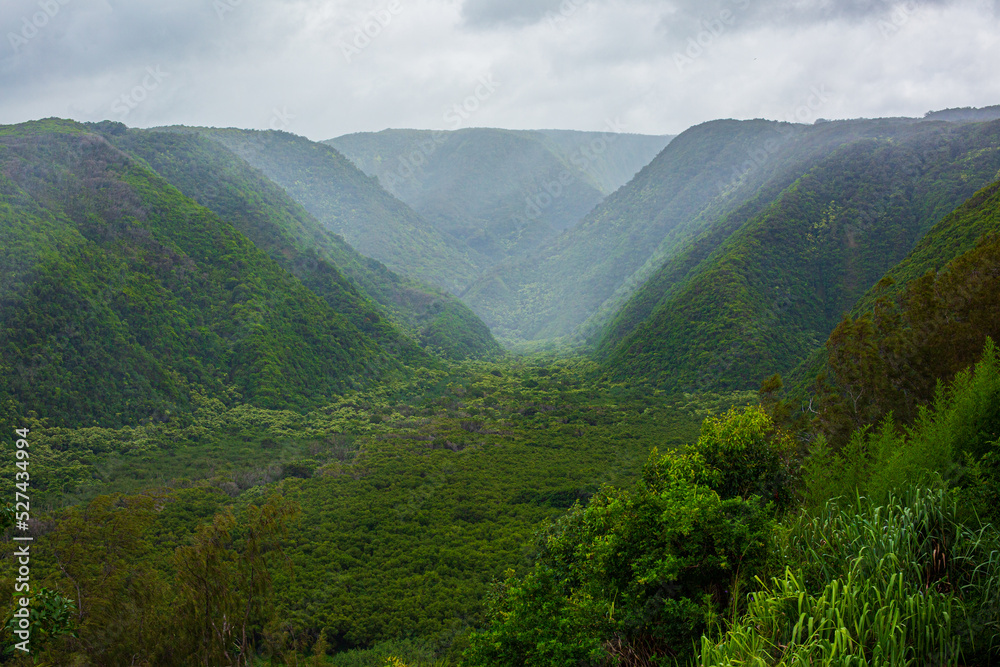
(322, 68)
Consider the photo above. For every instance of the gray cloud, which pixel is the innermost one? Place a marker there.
(494, 13)
(683, 19)
(328, 67)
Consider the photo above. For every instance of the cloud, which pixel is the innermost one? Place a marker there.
(494, 13)
(329, 67)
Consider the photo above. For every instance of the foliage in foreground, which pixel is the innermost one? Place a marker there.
(642, 571)
(900, 583)
(206, 605)
(952, 442)
(906, 573)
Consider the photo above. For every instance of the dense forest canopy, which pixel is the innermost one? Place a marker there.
(262, 418)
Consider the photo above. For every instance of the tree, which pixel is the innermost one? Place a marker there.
(224, 584)
(638, 572)
(101, 557)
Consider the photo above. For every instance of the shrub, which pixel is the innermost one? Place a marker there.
(648, 567)
(960, 428)
(748, 455)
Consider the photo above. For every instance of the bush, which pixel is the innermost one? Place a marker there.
(748, 455)
(640, 569)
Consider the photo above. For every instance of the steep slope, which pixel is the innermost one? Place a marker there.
(953, 236)
(958, 234)
(123, 300)
(503, 192)
(766, 297)
(351, 204)
(887, 361)
(241, 195)
(703, 175)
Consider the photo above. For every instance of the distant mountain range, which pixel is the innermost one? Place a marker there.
(757, 290)
(349, 203)
(501, 192)
(736, 250)
(220, 180)
(146, 268)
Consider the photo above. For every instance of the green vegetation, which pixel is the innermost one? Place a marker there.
(767, 295)
(891, 559)
(640, 571)
(669, 224)
(122, 298)
(956, 234)
(412, 498)
(351, 204)
(552, 292)
(899, 582)
(965, 114)
(949, 440)
(248, 448)
(258, 208)
(886, 364)
(501, 192)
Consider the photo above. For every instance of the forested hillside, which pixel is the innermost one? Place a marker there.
(766, 297)
(589, 271)
(123, 298)
(225, 184)
(352, 205)
(915, 328)
(965, 114)
(953, 236)
(503, 192)
(709, 182)
(245, 443)
(888, 556)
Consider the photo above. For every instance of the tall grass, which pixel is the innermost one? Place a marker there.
(900, 583)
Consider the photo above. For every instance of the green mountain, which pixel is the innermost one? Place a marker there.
(123, 299)
(163, 305)
(502, 192)
(258, 208)
(965, 114)
(577, 281)
(767, 295)
(926, 320)
(955, 235)
(351, 204)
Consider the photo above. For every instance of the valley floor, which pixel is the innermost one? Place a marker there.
(414, 497)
